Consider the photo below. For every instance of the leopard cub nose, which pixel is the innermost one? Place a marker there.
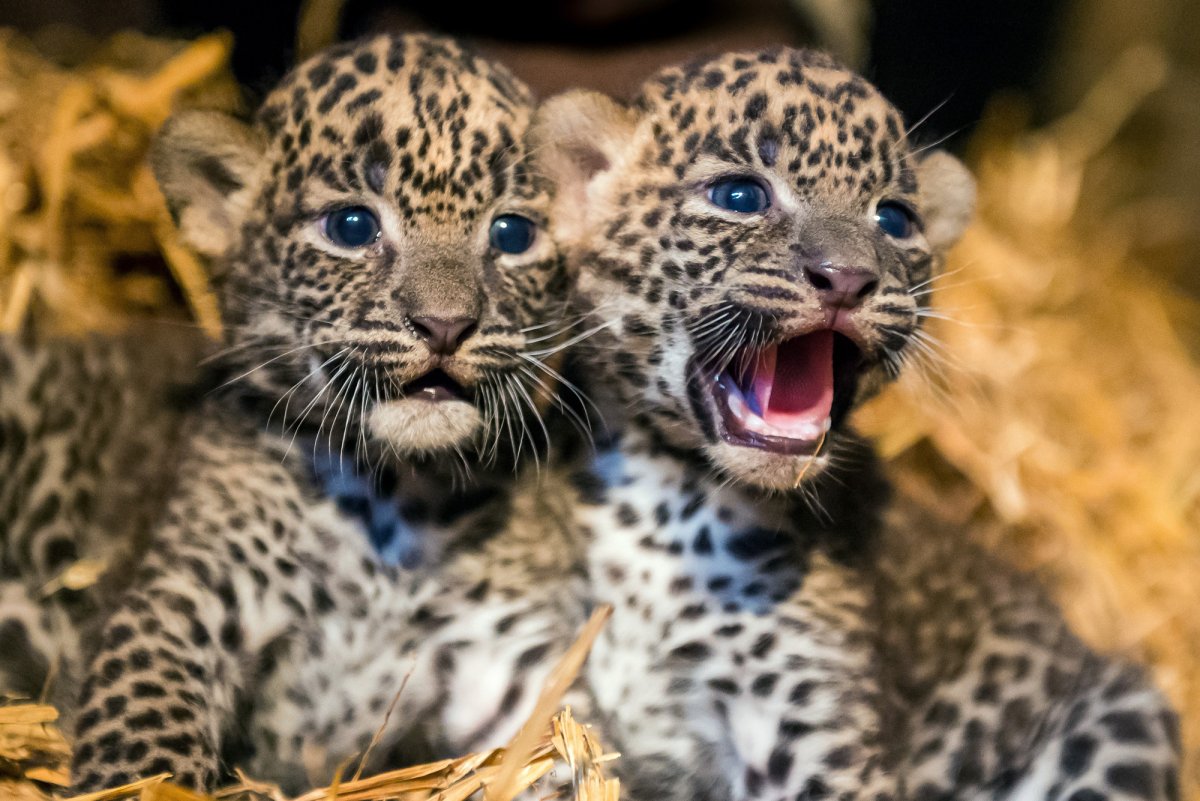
(443, 336)
(841, 286)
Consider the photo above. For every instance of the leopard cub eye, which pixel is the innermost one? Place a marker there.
(352, 227)
(895, 219)
(743, 195)
(512, 233)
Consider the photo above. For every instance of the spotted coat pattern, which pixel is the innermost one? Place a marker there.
(88, 429)
(758, 650)
(261, 554)
(807, 643)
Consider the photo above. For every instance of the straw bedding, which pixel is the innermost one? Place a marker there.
(1053, 409)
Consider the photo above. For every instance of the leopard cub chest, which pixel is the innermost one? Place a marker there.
(735, 626)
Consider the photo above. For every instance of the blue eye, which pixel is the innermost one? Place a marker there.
(512, 233)
(895, 220)
(352, 227)
(743, 195)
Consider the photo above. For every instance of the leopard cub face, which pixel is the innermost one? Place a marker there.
(377, 238)
(756, 234)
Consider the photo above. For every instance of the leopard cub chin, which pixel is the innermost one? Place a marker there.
(418, 426)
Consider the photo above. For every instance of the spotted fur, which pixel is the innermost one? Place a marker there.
(765, 644)
(88, 429)
(781, 631)
(262, 550)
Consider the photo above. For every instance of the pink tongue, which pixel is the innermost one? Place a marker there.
(794, 381)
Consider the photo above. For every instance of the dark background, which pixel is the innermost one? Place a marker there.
(923, 54)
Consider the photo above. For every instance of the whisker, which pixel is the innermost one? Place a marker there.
(523, 394)
(913, 128)
(581, 424)
(353, 384)
(288, 352)
(559, 378)
(936, 143)
(565, 327)
(938, 277)
(575, 340)
(336, 406)
(285, 399)
(333, 380)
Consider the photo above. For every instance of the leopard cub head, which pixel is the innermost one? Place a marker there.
(376, 236)
(756, 234)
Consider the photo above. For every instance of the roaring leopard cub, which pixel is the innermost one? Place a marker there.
(755, 234)
(388, 299)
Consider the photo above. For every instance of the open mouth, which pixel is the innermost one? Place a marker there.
(784, 397)
(435, 386)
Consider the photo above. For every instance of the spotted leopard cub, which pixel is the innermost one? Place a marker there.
(373, 233)
(755, 235)
(88, 431)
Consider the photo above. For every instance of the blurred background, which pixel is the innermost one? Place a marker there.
(1056, 414)
(923, 53)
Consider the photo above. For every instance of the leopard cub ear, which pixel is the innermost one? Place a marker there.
(576, 137)
(208, 166)
(946, 194)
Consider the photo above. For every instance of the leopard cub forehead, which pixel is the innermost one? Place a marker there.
(827, 130)
(419, 118)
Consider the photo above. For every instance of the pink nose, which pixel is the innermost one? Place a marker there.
(441, 335)
(840, 286)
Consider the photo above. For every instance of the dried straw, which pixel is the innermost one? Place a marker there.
(79, 208)
(34, 754)
(31, 747)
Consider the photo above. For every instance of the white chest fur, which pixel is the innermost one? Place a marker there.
(732, 642)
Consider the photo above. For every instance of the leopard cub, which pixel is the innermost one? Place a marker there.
(753, 239)
(374, 235)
